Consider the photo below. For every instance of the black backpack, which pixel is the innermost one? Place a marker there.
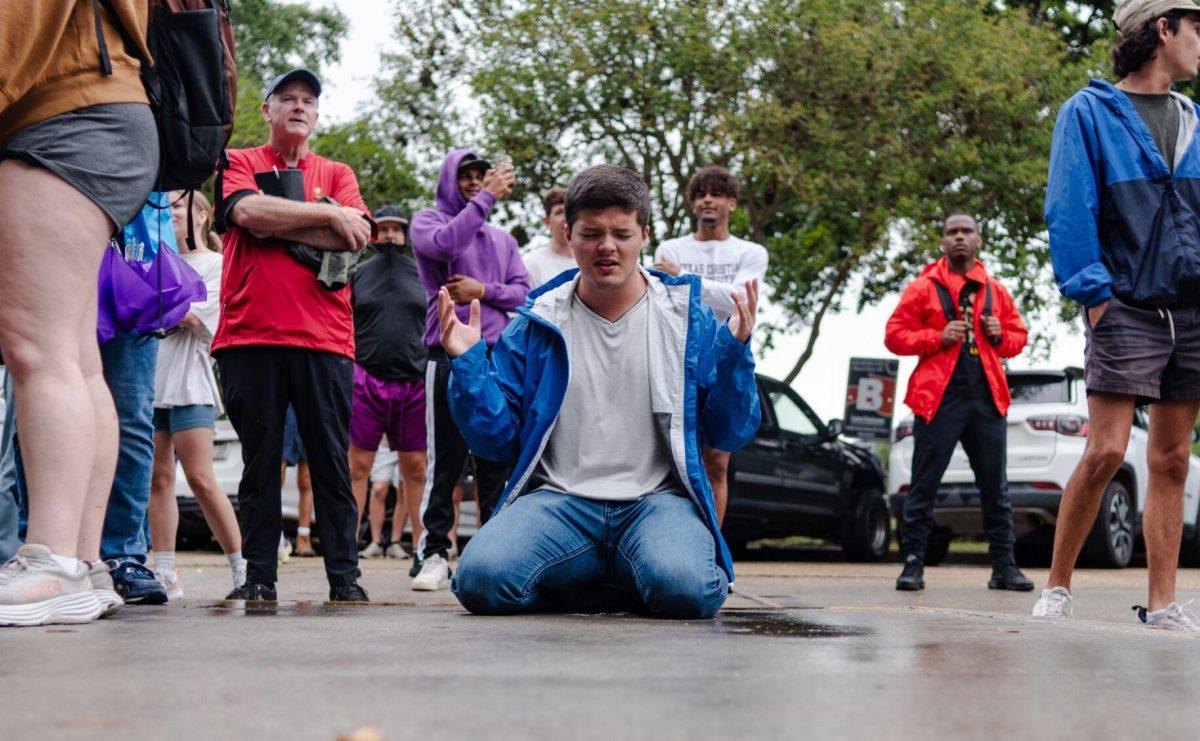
(191, 84)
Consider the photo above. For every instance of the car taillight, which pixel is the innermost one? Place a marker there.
(903, 430)
(1071, 425)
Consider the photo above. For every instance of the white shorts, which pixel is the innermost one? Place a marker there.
(386, 466)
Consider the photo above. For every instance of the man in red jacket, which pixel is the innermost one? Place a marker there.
(961, 323)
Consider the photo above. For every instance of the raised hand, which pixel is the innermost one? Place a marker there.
(457, 337)
(499, 181)
(741, 324)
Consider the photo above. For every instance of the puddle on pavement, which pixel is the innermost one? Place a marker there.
(298, 608)
(779, 624)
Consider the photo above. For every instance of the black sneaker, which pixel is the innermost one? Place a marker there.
(253, 593)
(1010, 578)
(136, 584)
(912, 579)
(416, 567)
(348, 593)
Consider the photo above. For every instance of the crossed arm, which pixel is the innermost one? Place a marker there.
(321, 225)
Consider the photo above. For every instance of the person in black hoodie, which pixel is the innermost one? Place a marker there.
(389, 372)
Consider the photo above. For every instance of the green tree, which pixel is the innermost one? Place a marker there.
(273, 37)
(853, 124)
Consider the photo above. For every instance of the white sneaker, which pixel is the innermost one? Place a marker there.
(435, 575)
(1054, 603)
(239, 574)
(170, 581)
(396, 551)
(1174, 617)
(452, 554)
(372, 551)
(36, 590)
(102, 587)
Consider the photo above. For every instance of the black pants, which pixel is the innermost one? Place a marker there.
(983, 433)
(447, 456)
(259, 383)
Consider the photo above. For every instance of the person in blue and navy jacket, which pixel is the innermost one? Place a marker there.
(603, 390)
(1123, 209)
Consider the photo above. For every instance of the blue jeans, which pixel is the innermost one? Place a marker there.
(12, 481)
(129, 371)
(545, 546)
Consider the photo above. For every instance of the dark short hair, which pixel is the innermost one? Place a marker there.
(715, 180)
(553, 197)
(952, 214)
(1134, 51)
(607, 186)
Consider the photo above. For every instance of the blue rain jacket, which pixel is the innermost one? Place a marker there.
(1121, 223)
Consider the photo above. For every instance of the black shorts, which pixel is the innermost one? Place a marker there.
(1152, 354)
(109, 153)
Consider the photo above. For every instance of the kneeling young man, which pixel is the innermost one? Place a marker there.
(602, 391)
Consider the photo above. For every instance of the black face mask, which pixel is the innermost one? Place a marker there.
(388, 245)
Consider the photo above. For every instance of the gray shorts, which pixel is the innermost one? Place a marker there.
(1153, 354)
(109, 153)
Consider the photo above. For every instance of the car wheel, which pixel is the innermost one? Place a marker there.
(938, 546)
(867, 533)
(1110, 544)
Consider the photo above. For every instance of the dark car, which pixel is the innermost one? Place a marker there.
(797, 477)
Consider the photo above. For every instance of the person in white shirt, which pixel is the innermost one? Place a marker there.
(724, 264)
(186, 406)
(547, 262)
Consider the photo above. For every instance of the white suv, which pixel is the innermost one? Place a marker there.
(1047, 430)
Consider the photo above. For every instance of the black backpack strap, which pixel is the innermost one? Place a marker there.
(987, 299)
(947, 302)
(220, 224)
(105, 62)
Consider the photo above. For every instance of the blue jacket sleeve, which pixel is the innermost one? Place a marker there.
(1073, 207)
(485, 395)
(730, 412)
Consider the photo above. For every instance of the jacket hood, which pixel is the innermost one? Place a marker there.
(940, 271)
(449, 199)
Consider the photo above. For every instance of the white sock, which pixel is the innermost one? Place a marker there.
(69, 565)
(164, 561)
(234, 559)
(303, 532)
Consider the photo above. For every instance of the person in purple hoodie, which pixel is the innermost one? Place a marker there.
(455, 247)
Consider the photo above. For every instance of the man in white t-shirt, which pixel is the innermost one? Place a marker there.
(724, 264)
(547, 262)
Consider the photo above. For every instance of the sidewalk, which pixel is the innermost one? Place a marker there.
(803, 650)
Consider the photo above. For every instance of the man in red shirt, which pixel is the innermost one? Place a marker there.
(960, 323)
(285, 339)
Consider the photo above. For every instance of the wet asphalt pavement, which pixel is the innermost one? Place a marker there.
(802, 650)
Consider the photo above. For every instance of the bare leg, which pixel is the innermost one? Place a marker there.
(304, 485)
(458, 497)
(1109, 418)
(360, 471)
(107, 437)
(163, 510)
(412, 474)
(1167, 460)
(51, 240)
(716, 463)
(196, 454)
(379, 492)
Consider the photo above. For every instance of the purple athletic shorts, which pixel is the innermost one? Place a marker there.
(392, 408)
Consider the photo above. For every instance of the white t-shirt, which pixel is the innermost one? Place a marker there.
(544, 263)
(724, 266)
(184, 375)
(605, 444)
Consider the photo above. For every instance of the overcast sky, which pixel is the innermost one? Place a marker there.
(843, 335)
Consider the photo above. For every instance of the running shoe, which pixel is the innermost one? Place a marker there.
(374, 550)
(1054, 603)
(253, 593)
(1174, 617)
(170, 582)
(396, 551)
(435, 575)
(102, 586)
(136, 584)
(1010, 578)
(36, 590)
(348, 593)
